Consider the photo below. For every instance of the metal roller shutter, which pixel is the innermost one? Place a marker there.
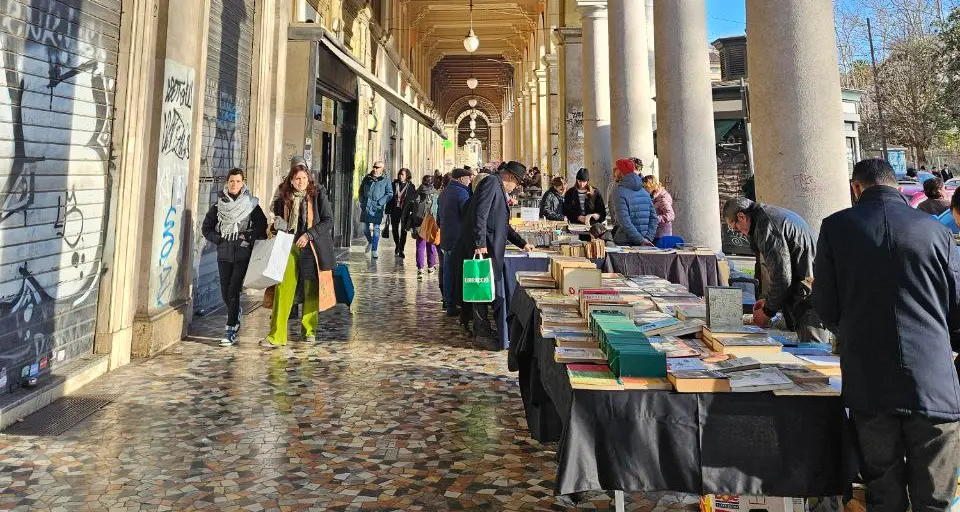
(56, 110)
(226, 118)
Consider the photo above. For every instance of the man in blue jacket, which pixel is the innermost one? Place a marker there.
(887, 281)
(452, 203)
(375, 193)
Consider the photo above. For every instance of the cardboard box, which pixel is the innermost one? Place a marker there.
(573, 279)
(734, 503)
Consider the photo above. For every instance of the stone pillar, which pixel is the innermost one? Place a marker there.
(449, 153)
(543, 121)
(631, 122)
(164, 304)
(554, 115)
(534, 123)
(596, 92)
(527, 129)
(496, 144)
(509, 138)
(796, 107)
(685, 137)
(570, 104)
(134, 98)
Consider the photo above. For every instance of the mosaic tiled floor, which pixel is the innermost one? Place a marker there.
(390, 410)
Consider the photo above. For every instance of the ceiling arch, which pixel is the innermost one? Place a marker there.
(462, 104)
(465, 113)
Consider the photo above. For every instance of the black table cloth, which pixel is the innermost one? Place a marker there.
(695, 271)
(719, 443)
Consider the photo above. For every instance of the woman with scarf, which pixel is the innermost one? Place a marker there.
(232, 224)
(583, 204)
(301, 209)
(403, 193)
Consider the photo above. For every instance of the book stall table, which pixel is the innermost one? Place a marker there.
(696, 443)
(695, 270)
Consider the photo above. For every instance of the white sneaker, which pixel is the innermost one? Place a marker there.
(375, 254)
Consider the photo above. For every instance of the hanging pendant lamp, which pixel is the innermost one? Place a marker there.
(471, 43)
(472, 103)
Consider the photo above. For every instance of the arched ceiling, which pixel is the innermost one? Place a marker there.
(490, 109)
(449, 80)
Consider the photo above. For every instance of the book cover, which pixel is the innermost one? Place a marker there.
(577, 355)
(684, 364)
(672, 346)
(592, 376)
(737, 364)
(766, 378)
(703, 381)
(645, 384)
(724, 307)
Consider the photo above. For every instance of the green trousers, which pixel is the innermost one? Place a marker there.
(283, 303)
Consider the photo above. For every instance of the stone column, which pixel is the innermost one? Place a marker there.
(685, 137)
(631, 122)
(449, 153)
(534, 122)
(543, 121)
(596, 92)
(570, 104)
(496, 144)
(509, 138)
(554, 115)
(796, 107)
(525, 131)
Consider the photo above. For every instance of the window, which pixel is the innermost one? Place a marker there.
(306, 13)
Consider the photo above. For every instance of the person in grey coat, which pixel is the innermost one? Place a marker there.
(785, 246)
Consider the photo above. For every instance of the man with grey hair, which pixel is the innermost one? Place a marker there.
(785, 248)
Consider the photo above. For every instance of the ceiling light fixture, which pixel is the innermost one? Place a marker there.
(472, 103)
(472, 82)
(471, 43)
(473, 124)
(473, 133)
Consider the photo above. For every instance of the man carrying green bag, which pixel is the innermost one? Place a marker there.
(478, 280)
(485, 233)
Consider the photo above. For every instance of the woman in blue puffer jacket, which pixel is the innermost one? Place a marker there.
(636, 215)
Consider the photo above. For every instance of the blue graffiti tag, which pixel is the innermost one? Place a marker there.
(169, 240)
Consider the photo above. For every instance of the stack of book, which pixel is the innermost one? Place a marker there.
(572, 274)
(628, 351)
(531, 279)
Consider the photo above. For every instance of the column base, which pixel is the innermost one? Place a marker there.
(116, 346)
(155, 333)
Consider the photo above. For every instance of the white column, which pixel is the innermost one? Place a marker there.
(685, 137)
(570, 46)
(596, 92)
(631, 122)
(796, 107)
(554, 115)
(509, 139)
(543, 117)
(534, 122)
(525, 135)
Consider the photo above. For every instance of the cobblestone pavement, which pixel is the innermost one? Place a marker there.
(389, 410)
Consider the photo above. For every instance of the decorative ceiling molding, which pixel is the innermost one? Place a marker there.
(484, 104)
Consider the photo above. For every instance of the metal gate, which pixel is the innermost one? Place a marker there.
(226, 118)
(56, 109)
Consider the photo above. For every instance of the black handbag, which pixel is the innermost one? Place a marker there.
(386, 228)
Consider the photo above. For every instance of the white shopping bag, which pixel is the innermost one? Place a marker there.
(268, 261)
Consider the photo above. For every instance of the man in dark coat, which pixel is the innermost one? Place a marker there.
(452, 203)
(484, 232)
(888, 283)
(785, 248)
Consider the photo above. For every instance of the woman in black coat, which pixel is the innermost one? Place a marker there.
(303, 210)
(404, 193)
(233, 223)
(583, 204)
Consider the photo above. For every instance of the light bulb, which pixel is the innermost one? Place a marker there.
(472, 103)
(473, 116)
(472, 82)
(473, 134)
(473, 125)
(471, 42)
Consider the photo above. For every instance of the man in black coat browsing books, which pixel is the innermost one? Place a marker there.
(887, 282)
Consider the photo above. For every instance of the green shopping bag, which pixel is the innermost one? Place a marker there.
(478, 280)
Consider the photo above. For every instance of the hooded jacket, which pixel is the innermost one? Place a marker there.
(375, 193)
(887, 282)
(551, 205)
(452, 203)
(636, 216)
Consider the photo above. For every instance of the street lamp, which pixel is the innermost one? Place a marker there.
(471, 43)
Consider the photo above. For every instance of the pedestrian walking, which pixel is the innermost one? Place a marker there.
(404, 192)
(551, 204)
(452, 203)
(414, 215)
(375, 193)
(583, 204)
(663, 204)
(233, 223)
(886, 279)
(303, 210)
(785, 249)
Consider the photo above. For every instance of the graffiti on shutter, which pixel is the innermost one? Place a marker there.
(56, 106)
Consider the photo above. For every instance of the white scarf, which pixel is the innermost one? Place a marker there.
(298, 197)
(232, 213)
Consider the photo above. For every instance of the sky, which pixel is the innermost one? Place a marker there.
(725, 18)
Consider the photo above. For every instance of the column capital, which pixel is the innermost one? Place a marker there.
(550, 60)
(593, 9)
(567, 35)
(542, 76)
